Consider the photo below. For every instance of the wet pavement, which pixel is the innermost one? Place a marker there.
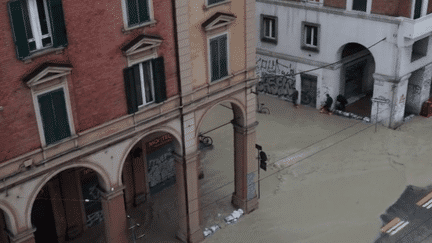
(329, 178)
(332, 177)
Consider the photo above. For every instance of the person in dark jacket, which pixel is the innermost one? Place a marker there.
(327, 105)
(295, 98)
(342, 102)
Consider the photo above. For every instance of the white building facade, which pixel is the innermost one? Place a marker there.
(348, 48)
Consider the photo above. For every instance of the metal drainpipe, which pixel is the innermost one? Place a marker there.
(181, 118)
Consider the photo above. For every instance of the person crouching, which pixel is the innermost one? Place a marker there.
(327, 105)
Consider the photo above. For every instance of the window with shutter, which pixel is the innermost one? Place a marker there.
(52, 107)
(137, 12)
(210, 2)
(145, 84)
(219, 57)
(37, 25)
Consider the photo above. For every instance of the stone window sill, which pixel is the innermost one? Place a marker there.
(43, 52)
(127, 30)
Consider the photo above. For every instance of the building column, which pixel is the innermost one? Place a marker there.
(24, 236)
(139, 174)
(392, 96)
(245, 167)
(115, 216)
(188, 198)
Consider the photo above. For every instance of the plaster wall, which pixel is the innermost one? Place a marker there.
(399, 101)
(335, 32)
(198, 14)
(406, 66)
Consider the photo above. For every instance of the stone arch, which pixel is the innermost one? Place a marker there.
(239, 112)
(102, 176)
(356, 82)
(10, 216)
(162, 129)
(342, 47)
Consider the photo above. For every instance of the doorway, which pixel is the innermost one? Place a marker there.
(308, 89)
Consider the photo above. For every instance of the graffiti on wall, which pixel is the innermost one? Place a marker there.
(402, 99)
(161, 168)
(160, 163)
(276, 78)
(94, 219)
(416, 89)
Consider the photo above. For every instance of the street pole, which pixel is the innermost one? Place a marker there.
(259, 148)
(379, 100)
(259, 178)
(376, 119)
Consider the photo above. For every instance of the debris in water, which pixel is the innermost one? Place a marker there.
(232, 218)
(211, 231)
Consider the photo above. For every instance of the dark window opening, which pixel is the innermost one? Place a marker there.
(359, 5)
(419, 49)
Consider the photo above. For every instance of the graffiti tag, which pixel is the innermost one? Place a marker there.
(402, 99)
(94, 218)
(161, 168)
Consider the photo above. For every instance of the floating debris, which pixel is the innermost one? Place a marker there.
(409, 117)
(211, 230)
(232, 218)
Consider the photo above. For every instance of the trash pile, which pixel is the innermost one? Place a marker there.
(408, 117)
(230, 219)
(212, 230)
(351, 115)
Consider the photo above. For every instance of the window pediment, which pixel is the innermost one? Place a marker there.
(47, 72)
(141, 43)
(218, 20)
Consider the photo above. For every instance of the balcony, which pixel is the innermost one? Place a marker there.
(413, 28)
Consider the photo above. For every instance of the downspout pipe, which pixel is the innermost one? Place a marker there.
(183, 146)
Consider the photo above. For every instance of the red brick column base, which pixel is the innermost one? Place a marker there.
(115, 217)
(245, 167)
(246, 206)
(189, 208)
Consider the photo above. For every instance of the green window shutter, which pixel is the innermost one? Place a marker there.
(159, 79)
(57, 22)
(223, 61)
(60, 112)
(214, 1)
(53, 112)
(18, 28)
(47, 115)
(132, 12)
(143, 11)
(131, 88)
(214, 56)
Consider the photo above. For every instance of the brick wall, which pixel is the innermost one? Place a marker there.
(335, 3)
(404, 8)
(96, 83)
(429, 10)
(392, 7)
(385, 7)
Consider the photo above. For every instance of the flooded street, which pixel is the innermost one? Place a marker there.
(329, 178)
